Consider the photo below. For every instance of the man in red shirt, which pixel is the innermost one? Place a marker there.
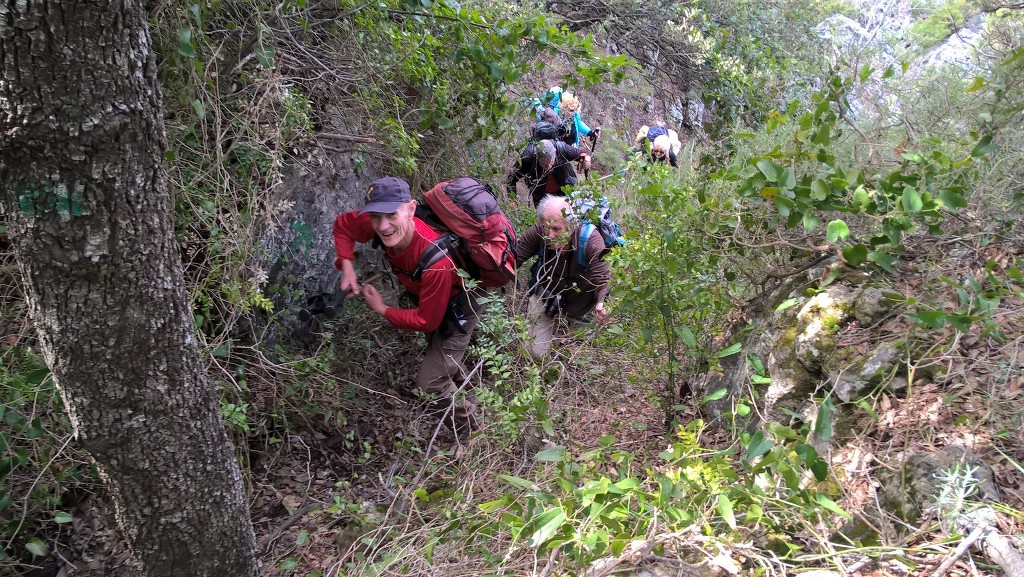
(446, 311)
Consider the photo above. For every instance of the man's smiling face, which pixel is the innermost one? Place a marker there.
(395, 229)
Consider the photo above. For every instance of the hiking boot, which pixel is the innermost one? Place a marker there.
(465, 429)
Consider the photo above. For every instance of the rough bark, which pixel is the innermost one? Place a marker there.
(90, 216)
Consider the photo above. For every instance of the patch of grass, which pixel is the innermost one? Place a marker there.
(939, 24)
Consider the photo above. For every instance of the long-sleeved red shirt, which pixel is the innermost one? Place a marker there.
(435, 287)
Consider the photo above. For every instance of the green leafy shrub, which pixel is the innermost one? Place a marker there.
(599, 502)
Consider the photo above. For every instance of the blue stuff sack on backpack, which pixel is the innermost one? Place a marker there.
(595, 213)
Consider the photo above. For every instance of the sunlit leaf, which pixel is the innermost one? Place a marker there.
(719, 394)
(730, 350)
(823, 421)
(552, 455)
(830, 505)
(911, 200)
(36, 547)
(724, 508)
(786, 304)
(547, 523)
(518, 482)
(837, 229)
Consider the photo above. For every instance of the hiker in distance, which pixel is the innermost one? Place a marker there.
(446, 311)
(577, 128)
(569, 281)
(546, 166)
(663, 141)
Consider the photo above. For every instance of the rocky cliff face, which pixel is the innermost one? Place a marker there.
(299, 250)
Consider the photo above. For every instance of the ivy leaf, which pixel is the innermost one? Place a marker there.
(264, 54)
(810, 221)
(911, 200)
(197, 105)
(976, 86)
(837, 229)
(769, 169)
(855, 255)
(883, 260)
(185, 43)
(983, 147)
(952, 198)
(37, 547)
(724, 508)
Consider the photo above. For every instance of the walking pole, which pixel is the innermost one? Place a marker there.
(593, 149)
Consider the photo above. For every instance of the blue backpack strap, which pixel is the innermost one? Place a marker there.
(581, 248)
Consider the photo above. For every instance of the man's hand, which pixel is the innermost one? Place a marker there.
(349, 281)
(596, 132)
(586, 160)
(600, 312)
(373, 299)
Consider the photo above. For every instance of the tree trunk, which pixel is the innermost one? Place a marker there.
(85, 198)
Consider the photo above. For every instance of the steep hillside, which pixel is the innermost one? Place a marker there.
(814, 357)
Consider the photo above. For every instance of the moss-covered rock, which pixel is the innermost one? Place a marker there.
(818, 321)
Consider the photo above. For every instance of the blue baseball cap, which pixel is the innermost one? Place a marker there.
(386, 194)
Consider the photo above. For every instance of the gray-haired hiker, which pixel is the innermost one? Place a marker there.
(566, 285)
(546, 166)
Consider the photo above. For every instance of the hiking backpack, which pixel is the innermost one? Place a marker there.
(549, 130)
(474, 232)
(591, 210)
(656, 131)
